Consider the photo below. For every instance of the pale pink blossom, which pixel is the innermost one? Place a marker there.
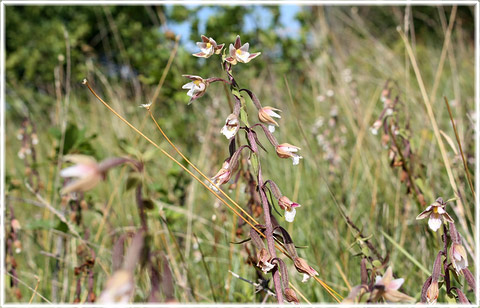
(239, 53)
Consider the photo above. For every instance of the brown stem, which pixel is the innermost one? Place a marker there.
(405, 166)
(269, 236)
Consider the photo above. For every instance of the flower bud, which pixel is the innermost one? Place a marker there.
(302, 267)
(458, 256)
(432, 293)
(222, 176)
(286, 150)
(291, 296)
(266, 115)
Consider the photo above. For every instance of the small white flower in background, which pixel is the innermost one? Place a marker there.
(375, 127)
(436, 214)
(239, 53)
(208, 47)
(146, 106)
(286, 150)
(231, 126)
(289, 206)
(266, 115)
(196, 88)
(119, 288)
(86, 170)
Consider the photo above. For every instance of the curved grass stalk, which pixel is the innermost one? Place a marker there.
(323, 284)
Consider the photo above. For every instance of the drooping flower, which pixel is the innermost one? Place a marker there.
(458, 256)
(208, 47)
(196, 88)
(436, 212)
(222, 176)
(266, 115)
(119, 288)
(302, 267)
(264, 259)
(87, 170)
(289, 207)
(231, 126)
(387, 287)
(286, 150)
(239, 53)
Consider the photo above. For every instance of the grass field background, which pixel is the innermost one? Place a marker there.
(329, 90)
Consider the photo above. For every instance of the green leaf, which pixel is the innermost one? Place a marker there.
(62, 227)
(376, 263)
(40, 225)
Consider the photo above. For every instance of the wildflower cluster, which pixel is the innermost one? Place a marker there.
(395, 136)
(234, 166)
(453, 261)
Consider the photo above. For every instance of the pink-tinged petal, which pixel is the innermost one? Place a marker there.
(434, 222)
(232, 50)
(440, 210)
(202, 45)
(254, 55)
(219, 48)
(193, 77)
(456, 255)
(396, 284)
(424, 214)
(448, 217)
(200, 54)
(238, 42)
(231, 60)
(245, 47)
(82, 184)
(77, 171)
(388, 275)
(80, 159)
(295, 204)
(205, 39)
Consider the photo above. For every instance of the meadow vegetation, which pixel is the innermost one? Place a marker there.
(361, 184)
